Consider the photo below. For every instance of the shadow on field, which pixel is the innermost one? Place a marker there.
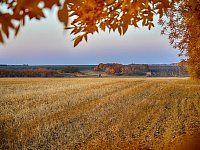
(187, 142)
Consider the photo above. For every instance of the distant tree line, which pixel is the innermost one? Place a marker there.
(38, 72)
(179, 69)
(49, 67)
(119, 69)
(70, 69)
(111, 69)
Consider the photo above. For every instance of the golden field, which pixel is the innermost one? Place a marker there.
(99, 113)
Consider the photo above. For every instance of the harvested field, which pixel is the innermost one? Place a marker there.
(99, 113)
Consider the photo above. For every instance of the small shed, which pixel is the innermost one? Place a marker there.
(148, 74)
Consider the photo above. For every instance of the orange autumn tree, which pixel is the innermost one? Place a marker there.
(90, 16)
(183, 29)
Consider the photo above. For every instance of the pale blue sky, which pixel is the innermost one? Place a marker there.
(45, 42)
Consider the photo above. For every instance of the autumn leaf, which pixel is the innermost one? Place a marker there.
(1, 38)
(85, 36)
(6, 30)
(78, 40)
(17, 30)
(50, 3)
(150, 25)
(125, 28)
(119, 30)
(63, 15)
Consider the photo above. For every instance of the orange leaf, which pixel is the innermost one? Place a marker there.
(78, 40)
(125, 28)
(1, 38)
(120, 30)
(17, 30)
(63, 15)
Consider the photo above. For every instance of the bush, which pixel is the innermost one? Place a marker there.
(70, 69)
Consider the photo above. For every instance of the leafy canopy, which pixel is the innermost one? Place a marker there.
(87, 16)
(183, 29)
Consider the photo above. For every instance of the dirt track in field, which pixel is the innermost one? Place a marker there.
(99, 113)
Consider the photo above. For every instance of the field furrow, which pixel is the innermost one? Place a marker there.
(97, 113)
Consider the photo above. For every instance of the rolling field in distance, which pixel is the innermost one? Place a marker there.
(99, 113)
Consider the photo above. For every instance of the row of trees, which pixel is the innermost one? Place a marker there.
(179, 69)
(70, 69)
(132, 69)
(40, 72)
(109, 68)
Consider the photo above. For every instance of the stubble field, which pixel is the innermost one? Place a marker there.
(99, 113)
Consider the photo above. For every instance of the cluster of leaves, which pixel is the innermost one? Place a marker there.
(94, 15)
(183, 29)
(193, 27)
(15, 13)
(87, 16)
